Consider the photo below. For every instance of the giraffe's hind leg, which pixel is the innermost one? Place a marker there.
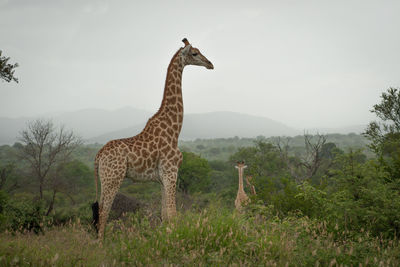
(109, 190)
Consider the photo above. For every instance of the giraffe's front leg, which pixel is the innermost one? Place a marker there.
(169, 177)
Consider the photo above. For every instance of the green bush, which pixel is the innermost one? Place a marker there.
(194, 174)
(20, 216)
(3, 204)
(361, 198)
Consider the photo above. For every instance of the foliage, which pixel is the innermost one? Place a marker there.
(194, 173)
(352, 194)
(222, 148)
(362, 197)
(385, 135)
(7, 70)
(9, 179)
(46, 149)
(316, 204)
(389, 113)
(68, 179)
(263, 160)
(3, 203)
(283, 196)
(21, 216)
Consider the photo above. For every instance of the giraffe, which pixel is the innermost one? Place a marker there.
(241, 197)
(153, 154)
(249, 181)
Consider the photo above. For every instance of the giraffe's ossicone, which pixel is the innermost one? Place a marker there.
(153, 154)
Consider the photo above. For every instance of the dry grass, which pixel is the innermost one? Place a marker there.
(211, 238)
(71, 245)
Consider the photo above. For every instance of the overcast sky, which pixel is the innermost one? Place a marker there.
(303, 63)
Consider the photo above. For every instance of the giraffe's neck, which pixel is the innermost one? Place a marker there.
(241, 180)
(171, 109)
(172, 102)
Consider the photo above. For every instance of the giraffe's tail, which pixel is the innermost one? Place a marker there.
(95, 221)
(95, 205)
(96, 176)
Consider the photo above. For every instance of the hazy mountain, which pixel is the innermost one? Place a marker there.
(10, 128)
(230, 124)
(92, 122)
(214, 125)
(85, 123)
(97, 125)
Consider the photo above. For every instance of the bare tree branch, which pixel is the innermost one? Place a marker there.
(313, 156)
(45, 147)
(309, 162)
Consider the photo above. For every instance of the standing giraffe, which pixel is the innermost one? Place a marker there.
(249, 181)
(241, 197)
(153, 154)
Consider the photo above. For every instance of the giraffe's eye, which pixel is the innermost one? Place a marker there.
(194, 54)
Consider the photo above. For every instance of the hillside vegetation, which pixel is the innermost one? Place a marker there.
(320, 201)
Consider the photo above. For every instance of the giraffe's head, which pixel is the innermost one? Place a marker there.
(192, 56)
(240, 165)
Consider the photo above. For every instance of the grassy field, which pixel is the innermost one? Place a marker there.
(213, 237)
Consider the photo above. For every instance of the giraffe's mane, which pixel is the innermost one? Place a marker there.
(165, 87)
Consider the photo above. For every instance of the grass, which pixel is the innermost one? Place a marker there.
(213, 237)
(70, 245)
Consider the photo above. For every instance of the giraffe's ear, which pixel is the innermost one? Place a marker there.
(245, 166)
(186, 49)
(236, 167)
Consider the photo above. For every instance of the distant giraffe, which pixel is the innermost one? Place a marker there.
(241, 197)
(249, 181)
(153, 154)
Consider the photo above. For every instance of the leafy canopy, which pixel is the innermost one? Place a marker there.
(7, 69)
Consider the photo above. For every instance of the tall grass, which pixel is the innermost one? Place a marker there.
(70, 245)
(213, 237)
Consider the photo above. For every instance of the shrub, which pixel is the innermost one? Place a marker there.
(23, 216)
(361, 198)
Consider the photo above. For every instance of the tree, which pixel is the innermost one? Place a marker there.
(309, 163)
(360, 197)
(194, 173)
(8, 179)
(389, 112)
(263, 160)
(67, 178)
(385, 135)
(266, 167)
(7, 70)
(45, 148)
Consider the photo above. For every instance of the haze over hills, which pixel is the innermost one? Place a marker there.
(214, 125)
(97, 125)
(85, 123)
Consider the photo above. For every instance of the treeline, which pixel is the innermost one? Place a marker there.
(223, 148)
(350, 182)
(61, 187)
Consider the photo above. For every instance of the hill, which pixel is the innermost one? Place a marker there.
(214, 125)
(98, 125)
(86, 123)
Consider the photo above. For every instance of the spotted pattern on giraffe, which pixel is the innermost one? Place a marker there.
(241, 197)
(153, 154)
